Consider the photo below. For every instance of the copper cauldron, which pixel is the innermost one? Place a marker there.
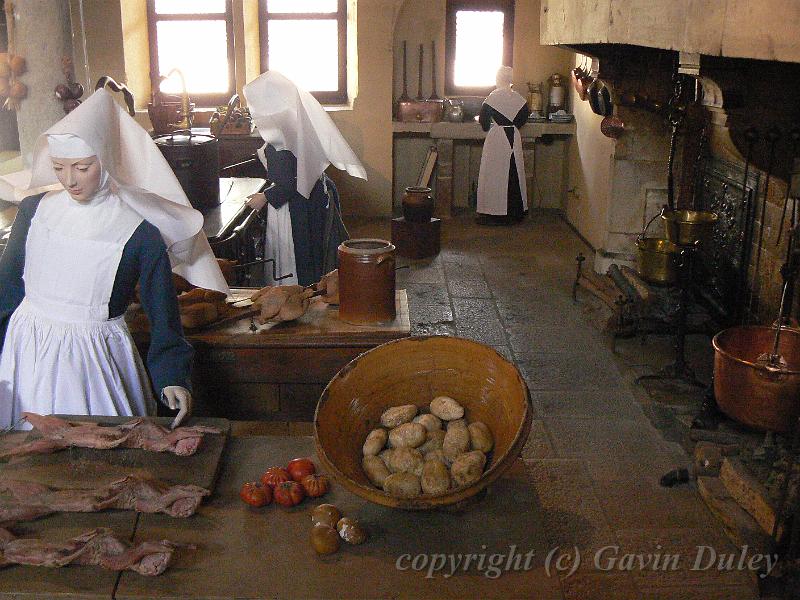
(749, 390)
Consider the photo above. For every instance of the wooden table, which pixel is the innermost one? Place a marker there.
(242, 552)
(279, 371)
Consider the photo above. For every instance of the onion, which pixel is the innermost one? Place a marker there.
(71, 104)
(62, 92)
(17, 64)
(18, 90)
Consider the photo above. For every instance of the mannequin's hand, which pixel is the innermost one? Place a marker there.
(180, 399)
(330, 283)
(256, 201)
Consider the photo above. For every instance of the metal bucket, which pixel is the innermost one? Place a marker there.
(658, 260)
(195, 162)
(687, 227)
(750, 391)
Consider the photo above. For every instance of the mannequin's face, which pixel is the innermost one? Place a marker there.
(79, 176)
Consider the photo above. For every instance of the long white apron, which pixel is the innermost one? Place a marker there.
(496, 158)
(62, 354)
(278, 239)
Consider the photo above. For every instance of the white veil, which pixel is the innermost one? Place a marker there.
(291, 119)
(143, 180)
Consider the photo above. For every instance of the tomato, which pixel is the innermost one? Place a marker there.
(300, 467)
(275, 475)
(315, 485)
(256, 494)
(289, 493)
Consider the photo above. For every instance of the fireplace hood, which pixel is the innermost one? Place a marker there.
(755, 29)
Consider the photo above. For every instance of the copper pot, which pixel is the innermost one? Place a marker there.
(747, 388)
(366, 281)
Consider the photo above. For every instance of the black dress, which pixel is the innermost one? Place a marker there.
(515, 212)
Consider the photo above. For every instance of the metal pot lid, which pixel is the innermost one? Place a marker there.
(184, 139)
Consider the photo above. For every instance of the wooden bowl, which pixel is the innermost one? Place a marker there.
(414, 371)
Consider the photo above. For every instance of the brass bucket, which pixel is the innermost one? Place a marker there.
(687, 227)
(658, 260)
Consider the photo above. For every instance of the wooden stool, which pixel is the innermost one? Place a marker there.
(416, 240)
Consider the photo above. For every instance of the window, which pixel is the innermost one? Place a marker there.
(479, 40)
(195, 36)
(306, 40)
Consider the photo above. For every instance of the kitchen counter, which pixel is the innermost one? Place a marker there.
(472, 130)
(545, 164)
(278, 371)
(243, 552)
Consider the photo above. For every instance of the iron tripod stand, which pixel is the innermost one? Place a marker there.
(680, 372)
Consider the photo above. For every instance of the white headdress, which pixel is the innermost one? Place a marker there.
(289, 118)
(143, 179)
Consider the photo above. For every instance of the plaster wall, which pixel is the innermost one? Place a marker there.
(43, 38)
(590, 175)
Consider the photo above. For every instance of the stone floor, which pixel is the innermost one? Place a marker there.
(595, 457)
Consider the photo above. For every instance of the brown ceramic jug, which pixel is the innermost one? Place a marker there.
(418, 204)
(366, 281)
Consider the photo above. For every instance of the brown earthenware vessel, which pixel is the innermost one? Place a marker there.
(366, 281)
(414, 371)
(418, 204)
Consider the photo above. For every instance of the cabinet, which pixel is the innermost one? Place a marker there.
(279, 371)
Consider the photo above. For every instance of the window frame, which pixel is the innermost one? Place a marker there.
(337, 97)
(453, 6)
(200, 100)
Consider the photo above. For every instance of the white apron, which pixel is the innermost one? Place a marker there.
(279, 245)
(62, 354)
(496, 157)
(278, 239)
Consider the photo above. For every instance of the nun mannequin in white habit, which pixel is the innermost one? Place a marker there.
(502, 197)
(304, 223)
(72, 263)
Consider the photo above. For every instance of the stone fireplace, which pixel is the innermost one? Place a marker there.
(737, 62)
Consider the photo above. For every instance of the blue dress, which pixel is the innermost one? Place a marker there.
(144, 260)
(309, 216)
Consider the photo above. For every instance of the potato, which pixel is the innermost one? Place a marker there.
(385, 456)
(457, 423)
(446, 408)
(456, 440)
(407, 435)
(375, 469)
(437, 454)
(433, 441)
(468, 467)
(402, 485)
(480, 437)
(397, 415)
(376, 440)
(407, 460)
(435, 478)
(429, 421)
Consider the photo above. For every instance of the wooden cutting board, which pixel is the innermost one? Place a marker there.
(88, 468)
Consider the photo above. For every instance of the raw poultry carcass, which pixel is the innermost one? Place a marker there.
(282, 303)
(96, 547)
(28, 501)
(58, 434)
